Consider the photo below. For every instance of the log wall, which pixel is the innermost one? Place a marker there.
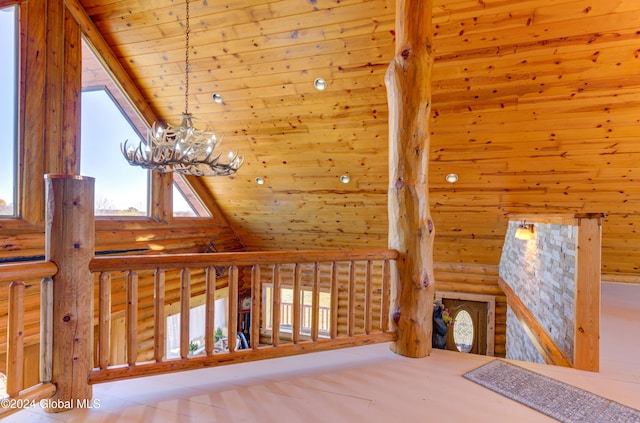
(534, 105)
(51, 144)
(476, 279)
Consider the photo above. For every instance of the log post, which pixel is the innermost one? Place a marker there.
(588, 295)
(411, 229)
(69, 243)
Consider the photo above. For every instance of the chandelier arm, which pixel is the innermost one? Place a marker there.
(183, 149)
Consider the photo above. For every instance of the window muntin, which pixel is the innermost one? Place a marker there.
(8, 110)
(286, 310)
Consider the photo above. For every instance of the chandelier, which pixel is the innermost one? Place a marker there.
(183, 149)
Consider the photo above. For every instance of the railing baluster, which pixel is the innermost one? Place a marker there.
(334, 301)
(159, 341)
(104, 319)
(46, 329)
(275, 309)
(307, 318)
(256, 306)
(15, 283)
(15, 340)
(315, 301)
(233, 307)
(386, 301)
(351, 314)
(368, 311)
(210, 310)
(297, 315)
(132, 318)
(185, 303)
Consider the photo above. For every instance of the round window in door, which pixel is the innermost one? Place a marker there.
(463, 331)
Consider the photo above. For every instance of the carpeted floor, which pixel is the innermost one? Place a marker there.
(556, 399)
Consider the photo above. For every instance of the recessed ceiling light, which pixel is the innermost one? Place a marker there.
(452, 178)
(259, 181)
(320, 84)
(217, 98)
(345, 179)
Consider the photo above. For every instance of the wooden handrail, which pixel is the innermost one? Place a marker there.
(27, 270)
(142, 262)
(14, 276)
(539, 336)
(275, 343)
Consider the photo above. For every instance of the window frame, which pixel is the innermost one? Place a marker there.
(160, 185)
(136, 128)
(267, 311)
(17, 113)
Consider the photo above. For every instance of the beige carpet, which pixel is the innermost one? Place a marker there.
(556, 399)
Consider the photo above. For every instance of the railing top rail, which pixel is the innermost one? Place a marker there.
(141, 262)
(12, 272)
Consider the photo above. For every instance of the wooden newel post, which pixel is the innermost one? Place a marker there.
(411, 229)
(69, 243)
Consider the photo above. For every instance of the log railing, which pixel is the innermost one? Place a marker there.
(356, 292)
(14, 280)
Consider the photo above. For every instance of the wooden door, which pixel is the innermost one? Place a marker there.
(469, 330)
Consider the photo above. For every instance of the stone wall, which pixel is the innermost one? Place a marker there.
(519, 345)
(542, 273)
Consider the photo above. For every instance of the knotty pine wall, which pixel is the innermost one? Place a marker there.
(50, 143)
(534, 105)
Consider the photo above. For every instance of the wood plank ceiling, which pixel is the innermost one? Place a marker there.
(535, 106)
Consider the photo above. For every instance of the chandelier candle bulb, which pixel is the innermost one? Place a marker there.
(183, 149)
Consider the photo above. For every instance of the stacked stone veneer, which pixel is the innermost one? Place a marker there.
(519, 346)
(542, 273)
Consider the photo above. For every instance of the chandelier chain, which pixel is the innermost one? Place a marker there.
(183, 148)
(186, 63)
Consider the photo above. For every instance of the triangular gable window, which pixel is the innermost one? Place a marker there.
(108, 119)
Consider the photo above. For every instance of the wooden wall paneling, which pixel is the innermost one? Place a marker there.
(69, 150)
(480, 279)
(533, 104)
(32, 110)
(105, 54)
(54, 95)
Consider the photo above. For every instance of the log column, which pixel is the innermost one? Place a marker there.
(588, 295)
(411, 229)
(69, 243)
